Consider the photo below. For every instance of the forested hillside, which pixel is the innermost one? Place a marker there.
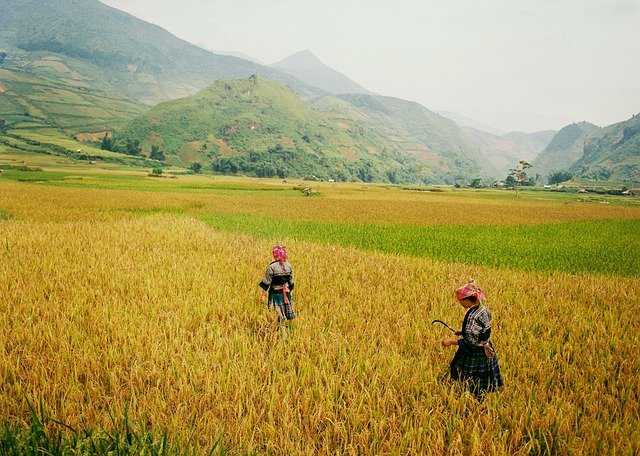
(564, 150)
(612, 153)
(263, 128)
(101, 47)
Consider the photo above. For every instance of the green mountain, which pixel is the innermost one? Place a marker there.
(505, 151)
(29, 101)
(305, 66)
(92, 45)
(612, 153)
(564, 150)
(416, 132)
(263, 128)
(85, 69)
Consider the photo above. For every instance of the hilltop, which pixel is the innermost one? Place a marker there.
(263, 128)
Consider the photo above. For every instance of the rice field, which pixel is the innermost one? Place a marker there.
(125, 295)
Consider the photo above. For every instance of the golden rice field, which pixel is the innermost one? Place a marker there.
(115, 294)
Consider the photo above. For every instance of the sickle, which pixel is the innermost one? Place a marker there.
(444, 324)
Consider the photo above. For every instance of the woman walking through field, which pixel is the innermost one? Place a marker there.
(475, 362)
(278, 284)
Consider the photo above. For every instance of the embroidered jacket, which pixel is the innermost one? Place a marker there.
(476, 328)
(276, 276)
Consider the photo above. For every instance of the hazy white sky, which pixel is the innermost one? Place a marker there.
(569, 60)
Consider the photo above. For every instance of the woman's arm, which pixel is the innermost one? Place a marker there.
(449, 342)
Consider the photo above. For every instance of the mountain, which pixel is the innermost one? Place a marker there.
(612, 153)
(92, 45)
(564, 150)
(305, 66)
(505, 151)
(263, 128)
(417, 132)
(37, 101)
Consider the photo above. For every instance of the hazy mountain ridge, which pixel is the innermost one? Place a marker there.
(505, 151)
(115, 51)
(443, 144)
(305, 66)
(564, 150)
(612, 152)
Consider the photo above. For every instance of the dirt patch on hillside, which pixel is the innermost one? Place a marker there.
(2, 89)
(93, 136)
(189, 151)
(287, 141)
(349, 154)
(225, 149)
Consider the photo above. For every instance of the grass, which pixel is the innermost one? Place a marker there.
(115, 295)
(604, 246)
(45, 435)
(166, 319)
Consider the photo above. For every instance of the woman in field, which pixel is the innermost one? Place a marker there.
(475, 362)
(278, 284)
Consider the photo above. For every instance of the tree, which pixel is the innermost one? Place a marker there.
(133, 147)
(107, 143)
(196, 167)
(519, 174)
(156, 153)
(476, 183)
(557, 177)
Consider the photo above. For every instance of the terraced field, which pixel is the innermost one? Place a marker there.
(124, 295)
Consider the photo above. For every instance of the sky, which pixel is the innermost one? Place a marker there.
(512, 64)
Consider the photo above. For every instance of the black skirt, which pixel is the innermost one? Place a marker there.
(474, 367)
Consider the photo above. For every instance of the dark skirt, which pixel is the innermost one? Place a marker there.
(276, 299)
(481, 373)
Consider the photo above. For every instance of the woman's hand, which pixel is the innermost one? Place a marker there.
(449, 342)
(458, 333)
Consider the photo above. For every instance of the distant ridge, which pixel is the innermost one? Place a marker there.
(305, 66)
(505, 151)
(564, 150)
(110, 50)
(612, 152)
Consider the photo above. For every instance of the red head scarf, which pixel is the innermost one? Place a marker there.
(280, 253)
(470, 289)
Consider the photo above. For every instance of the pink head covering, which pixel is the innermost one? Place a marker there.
(280, 253)
(470, 289)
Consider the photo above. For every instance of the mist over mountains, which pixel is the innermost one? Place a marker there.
(297, 108)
